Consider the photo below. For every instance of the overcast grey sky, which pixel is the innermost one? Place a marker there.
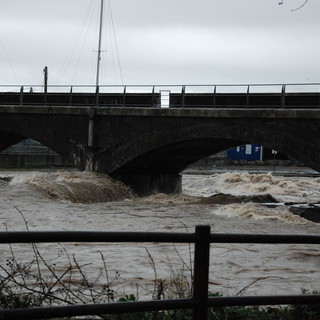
(160, 41)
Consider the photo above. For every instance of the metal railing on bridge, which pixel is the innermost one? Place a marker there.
(199, 302)
(174, 96)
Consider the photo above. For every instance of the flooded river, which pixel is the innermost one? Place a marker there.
(71, 200)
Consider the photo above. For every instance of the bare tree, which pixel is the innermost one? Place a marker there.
(298, 8)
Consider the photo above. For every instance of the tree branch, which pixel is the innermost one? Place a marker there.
(305, 2)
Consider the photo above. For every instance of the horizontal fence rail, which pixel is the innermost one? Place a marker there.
(199, 302)
(162, 237)
(303, 95)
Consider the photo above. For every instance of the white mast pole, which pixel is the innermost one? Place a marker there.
(99, 45)
(91, 120)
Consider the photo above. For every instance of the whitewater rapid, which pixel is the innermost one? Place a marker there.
(72, 200)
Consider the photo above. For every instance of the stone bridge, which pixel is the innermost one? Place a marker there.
(147, 148)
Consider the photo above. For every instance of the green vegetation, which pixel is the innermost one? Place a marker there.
(299, 312)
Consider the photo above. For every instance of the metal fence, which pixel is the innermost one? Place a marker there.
(174, 96)
(199, 302)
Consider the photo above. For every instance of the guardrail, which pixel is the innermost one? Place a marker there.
(176, 96)
(199, 302)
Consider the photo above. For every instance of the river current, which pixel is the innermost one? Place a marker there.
(72, 200)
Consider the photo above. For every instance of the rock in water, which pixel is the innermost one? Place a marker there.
(311, 213)
(222, 198)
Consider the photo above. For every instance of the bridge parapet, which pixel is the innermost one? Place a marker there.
(175, 96)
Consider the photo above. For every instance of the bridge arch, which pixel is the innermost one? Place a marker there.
(173, 149)
(9, 139)
(161, 147)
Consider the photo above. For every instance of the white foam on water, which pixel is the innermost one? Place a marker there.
(78, 187)
(71, 200)
(260, 212)
(284, 189)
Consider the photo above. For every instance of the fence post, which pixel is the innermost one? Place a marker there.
(70, 97)
(201, 272)
(124, 96)
(183, 94)
(283, 96)
(21, 96)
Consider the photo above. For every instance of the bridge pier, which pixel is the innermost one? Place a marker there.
(143, 184)
(146, 184)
